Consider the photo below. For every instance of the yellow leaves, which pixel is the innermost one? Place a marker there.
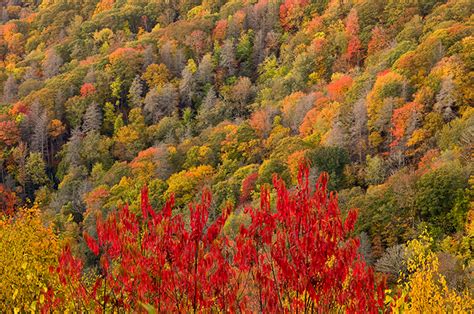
(186, 184)
(385, 96)
(375, 139)
(27, 249)
(425, 288)
(104, 5)
(417, 137)
(156, 75)
(319, 120)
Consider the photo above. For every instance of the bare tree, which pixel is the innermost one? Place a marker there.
(227, 58)
(445, 100)
(51, 63)
(39, 137)
(92, 119)
(392, 261)
(10, 89)
(186, 86)
(160, 102)
(205, 69)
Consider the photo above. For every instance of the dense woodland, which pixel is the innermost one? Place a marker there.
(120, 118)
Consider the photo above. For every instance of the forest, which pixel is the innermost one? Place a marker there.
(241, 156)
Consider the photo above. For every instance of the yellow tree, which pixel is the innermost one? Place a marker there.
(27, 250)
(425, 289)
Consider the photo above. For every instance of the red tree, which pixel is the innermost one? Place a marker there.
(297, 256)
(378, 41)
(8, 201)
(87, 89)
(353, 53)
(9, 133)
(300, 256)
(248, 185)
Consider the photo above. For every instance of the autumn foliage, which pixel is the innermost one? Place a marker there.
(295, 256)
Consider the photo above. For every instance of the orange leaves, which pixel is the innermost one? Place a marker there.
(56, 128)
(104, 5)
(18, 108)
(8, 200)
(402, 118)
(306, 127)
(339, 86)
(9, 133)
(288, 104)
(95, 198)
(145, 164)
(220, 30)
(143, 156)
(378, 41)
(261, 122)
(319, 120)
(122, 54)
(291, 13)
(87, 89)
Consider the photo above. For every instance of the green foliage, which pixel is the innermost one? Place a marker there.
(439, 195)
(269, 168)
(331, 160)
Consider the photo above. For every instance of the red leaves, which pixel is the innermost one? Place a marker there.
(402, 119)
(8, 201)
(293, 257)
(87, 89)
(248, 185)
(300, 257)
(339, 86)
(91, 243)
(220, 30)
(350, 221)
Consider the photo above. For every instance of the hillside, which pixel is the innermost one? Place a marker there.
(102, 98)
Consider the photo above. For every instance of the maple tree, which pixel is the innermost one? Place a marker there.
(403, 119)
(87, 89)
(353, 53)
